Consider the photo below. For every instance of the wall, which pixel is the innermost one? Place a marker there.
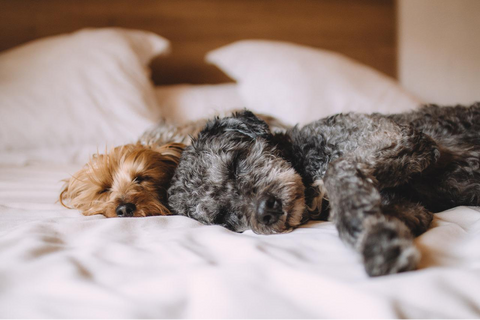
(363, 30)
(439, 49)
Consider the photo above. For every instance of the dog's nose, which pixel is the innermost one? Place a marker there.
(269, 210)
(125, 210)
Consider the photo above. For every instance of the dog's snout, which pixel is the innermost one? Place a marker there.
(269, 210)
(125, 210)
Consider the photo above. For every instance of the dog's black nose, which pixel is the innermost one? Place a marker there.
(269, 210)
(125, 210)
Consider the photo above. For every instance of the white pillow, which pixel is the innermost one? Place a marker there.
(89, 87)
(186, 102)
(299, 84)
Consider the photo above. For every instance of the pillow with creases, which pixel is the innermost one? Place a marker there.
(90, 87)
(299, 84)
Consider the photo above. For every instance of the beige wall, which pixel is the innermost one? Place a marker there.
(439, 49)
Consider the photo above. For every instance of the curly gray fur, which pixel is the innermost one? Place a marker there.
(382, 177)
(230, 170)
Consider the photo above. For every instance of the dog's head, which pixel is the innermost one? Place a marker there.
(130, 180)
(234, 175)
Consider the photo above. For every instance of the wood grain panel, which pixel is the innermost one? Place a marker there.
(361, 29)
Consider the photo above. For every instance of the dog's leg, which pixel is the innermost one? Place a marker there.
(415, 216)
(387, 247)
(384, 241)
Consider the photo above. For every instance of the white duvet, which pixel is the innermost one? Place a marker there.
(55, 262)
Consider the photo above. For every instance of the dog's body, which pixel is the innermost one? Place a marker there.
(383, 176)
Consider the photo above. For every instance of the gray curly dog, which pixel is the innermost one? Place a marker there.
(379, 178)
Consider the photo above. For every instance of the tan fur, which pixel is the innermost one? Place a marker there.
(133, 173)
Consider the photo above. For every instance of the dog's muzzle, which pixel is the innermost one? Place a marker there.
(125, 210)
(269, 210)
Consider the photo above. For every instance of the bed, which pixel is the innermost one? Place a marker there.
(67, 92)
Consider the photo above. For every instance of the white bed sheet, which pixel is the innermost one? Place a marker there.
(55, 262)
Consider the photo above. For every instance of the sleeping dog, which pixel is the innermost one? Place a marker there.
(132, 180)
(378, 177)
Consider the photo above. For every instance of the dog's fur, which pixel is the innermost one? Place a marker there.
(128, 181)
(132, 180)
(383, 176)
(231, 169)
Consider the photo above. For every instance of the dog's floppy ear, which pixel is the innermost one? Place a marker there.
(244, 122)
(171, 151)
(248, 124)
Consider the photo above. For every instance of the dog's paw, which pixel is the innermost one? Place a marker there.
(386, 251)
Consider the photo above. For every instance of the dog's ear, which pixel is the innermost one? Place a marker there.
(249, 124)
(243, 122)
(171, 151)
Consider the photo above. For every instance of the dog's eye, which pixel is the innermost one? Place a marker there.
(105, 190)
(140, 179)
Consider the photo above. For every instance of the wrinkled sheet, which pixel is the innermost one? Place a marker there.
(54, 262)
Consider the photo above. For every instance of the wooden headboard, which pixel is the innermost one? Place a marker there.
(364, 30)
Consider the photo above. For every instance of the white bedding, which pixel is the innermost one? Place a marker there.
(57, 263)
